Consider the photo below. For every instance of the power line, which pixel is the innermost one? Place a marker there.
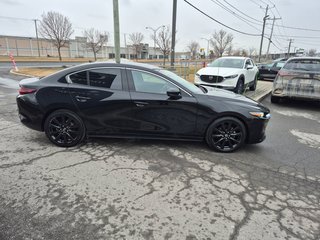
(233, 13)
(245, 33)
(242, 12)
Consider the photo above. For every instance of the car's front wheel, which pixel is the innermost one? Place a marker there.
(226, 134)
(64, 128)
(240, 86)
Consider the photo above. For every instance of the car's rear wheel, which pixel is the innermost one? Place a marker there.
(254, 85)
(240, 86)
(226, 134)
(275, 99)
(64, 128)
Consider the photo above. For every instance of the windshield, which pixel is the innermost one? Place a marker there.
(191, 87)
(312, 65)
(227, 63)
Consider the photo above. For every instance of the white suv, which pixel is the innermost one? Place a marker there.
(231, 73)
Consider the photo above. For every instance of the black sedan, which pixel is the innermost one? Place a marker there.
(137, 101)
(270, 71)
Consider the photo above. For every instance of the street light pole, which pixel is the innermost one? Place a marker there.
(208, 40)
(36, 27)
(154, 37)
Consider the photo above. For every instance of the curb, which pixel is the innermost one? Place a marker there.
(20, 74)
(260, 98)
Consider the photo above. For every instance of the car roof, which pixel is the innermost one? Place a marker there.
(235, 57)
(306, 58)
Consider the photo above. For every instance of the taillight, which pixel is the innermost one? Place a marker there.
(282, 73)
(24, 90)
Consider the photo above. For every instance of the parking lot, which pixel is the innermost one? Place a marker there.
(139, 189)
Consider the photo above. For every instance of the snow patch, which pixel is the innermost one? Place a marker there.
(310, 139)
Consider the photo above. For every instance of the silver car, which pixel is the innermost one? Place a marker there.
(299, 78)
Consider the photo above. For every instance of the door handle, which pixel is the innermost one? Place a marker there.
(82, 98)
(141, 104)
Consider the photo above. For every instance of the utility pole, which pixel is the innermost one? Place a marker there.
(154, 38)
(173, 33)
(36, 27)
(290, 41)
(270, 41)
(262, 35)
(116, 30)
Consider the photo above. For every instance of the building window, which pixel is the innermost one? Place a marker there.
(122, 55)
(112, 55)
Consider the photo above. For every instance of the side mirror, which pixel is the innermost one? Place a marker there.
(174, 93)
(249, 67)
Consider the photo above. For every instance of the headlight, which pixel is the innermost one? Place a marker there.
(261, 115)
(231, 76)
(197, 76)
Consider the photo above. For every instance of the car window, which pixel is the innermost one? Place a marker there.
(227, 63)
(105, 78)
(149, 83)
(279, 64)
(303, 65)
(79, 78)
(248, 63)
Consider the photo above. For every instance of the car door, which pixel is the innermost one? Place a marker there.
(154, 113)
(102, 98)
(250, 71)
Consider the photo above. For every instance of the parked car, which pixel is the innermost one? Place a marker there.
(231, 73)
(299, 78)
(137, 101)
(270, 71)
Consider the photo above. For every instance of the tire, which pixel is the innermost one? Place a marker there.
(226, 134)
(240, 86)
(275, 99)
(254, 85)
(64, 128)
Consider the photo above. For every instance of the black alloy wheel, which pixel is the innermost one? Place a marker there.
(64, 128)
(226, 134)
(240, 86)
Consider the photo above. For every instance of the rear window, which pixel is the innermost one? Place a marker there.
(310, 65)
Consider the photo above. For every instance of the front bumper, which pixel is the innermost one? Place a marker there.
(229, 84)
(257, 130)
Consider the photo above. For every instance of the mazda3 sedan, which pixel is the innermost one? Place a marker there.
(137, 101)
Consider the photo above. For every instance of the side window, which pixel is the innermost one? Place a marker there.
(280, 64)
(149, 83)
(79, 78)
(251, 62)
(105, 78)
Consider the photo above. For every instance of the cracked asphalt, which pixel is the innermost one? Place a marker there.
(130, 189)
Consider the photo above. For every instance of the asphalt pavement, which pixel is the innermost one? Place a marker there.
(136, 189)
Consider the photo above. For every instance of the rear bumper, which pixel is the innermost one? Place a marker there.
(296, 88)
(29, 112)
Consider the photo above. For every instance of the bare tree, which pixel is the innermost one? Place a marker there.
(95, 40)
(136, 40)
(193, 47)
(221, 42)
(163, 41)
(57, 28)
(312, 52)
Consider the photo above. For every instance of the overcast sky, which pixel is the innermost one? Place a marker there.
(136, 15)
